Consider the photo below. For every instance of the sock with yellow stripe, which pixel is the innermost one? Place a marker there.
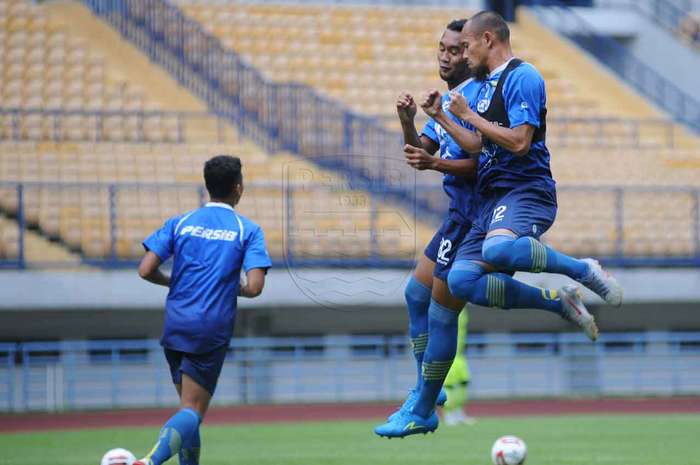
(528, 254)
(175, 432)
(469, 281)
(418, 301)
(439, 355)
(189, 452)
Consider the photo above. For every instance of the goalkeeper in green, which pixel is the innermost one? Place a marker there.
(457, 379)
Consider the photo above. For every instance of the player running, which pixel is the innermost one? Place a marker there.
(210, 246)
(457, 381)
(432, 310)
(519, 193)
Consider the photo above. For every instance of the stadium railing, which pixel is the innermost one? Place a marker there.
(625, 219)
(110, 214)
(562, 19)
(57, 376)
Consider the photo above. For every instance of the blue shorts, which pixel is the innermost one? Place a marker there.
(442, 247)
(203, 368)
(525, 210)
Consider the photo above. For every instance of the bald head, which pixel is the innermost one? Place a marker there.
(492, 22)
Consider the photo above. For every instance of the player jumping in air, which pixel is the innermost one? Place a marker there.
(519, 195)
(518, 205)
(432, 310)
(210, 246)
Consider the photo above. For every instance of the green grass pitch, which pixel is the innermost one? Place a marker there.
(563, 440)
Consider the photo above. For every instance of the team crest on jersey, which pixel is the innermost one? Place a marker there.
(483, 105)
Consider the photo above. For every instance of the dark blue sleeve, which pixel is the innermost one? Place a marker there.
(429, 131)
(256, 255)
(524, 96)
(161, 241)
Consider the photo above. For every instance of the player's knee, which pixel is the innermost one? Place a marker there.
(416, 293)
(463, 278)
(497, 250)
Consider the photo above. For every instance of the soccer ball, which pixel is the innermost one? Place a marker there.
(118, 457)
(509, 450)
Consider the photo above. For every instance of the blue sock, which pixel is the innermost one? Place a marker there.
(469, 281)
(529, 254)
(418, 301)
(439, 355)
(174, 433)
(189, 453)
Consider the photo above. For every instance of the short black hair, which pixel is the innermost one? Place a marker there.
(457, 25)
(491, 21)
(221, 175)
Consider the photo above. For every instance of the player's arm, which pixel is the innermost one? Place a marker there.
(406, 109)
(422, 160)
(524, 97)
(149, 269)
(431, 103)
(468, 140)
(516, 140)
(159, 248)
(256, 262)
(255, 284)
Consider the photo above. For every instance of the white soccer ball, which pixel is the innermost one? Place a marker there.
(509, 450)
(118, 457)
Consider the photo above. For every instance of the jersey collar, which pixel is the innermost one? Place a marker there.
(462, 85)
(220, 205)
(499, 69)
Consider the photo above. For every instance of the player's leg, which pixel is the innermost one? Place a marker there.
(418, 291)
(473, 280)
(197, 376)
(417, 296)
(512, 243)
(181, 425)
(189, 452)
(442, 345)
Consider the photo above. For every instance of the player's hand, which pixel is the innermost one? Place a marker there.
(431, 103)
(406, 107)
(418, 158)
(459, 106)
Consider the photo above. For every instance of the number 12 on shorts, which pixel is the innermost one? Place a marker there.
(498, 214)
(445, 247)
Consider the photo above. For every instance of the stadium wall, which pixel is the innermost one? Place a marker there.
(657, 48)
(117, 304)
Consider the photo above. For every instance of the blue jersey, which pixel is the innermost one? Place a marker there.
(524, 98)
(461, 191)
(209, 245)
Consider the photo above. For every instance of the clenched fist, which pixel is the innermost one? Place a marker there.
(459, 106)
(431, 103)
(406, 107)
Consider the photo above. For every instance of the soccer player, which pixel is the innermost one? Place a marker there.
(210, 246)
(519, 195)
(433, 311)
(457, 381)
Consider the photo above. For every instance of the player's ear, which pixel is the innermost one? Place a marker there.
(488, 38)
